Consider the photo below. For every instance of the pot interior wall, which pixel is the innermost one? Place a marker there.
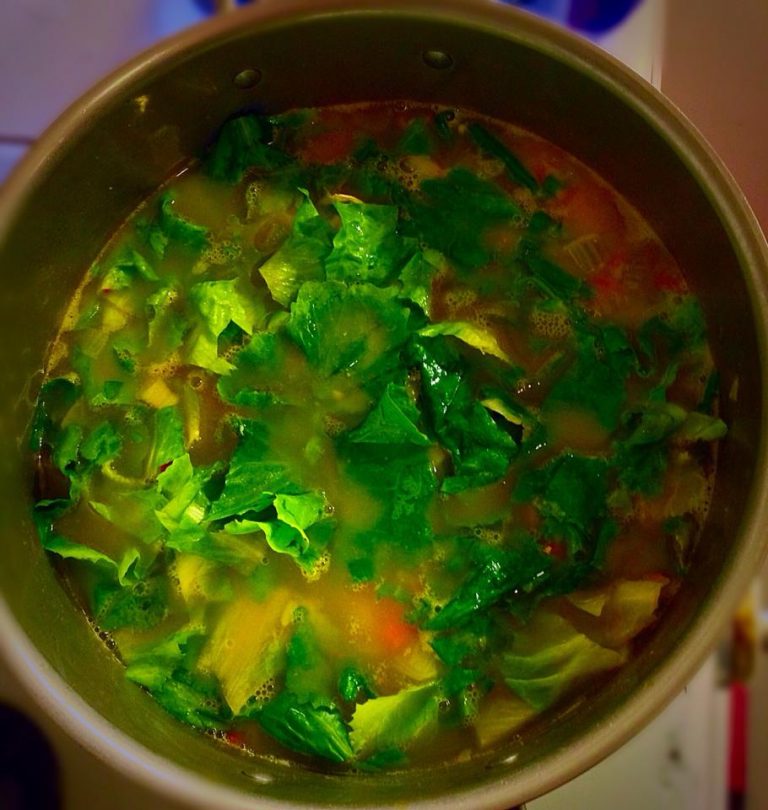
(153, 119)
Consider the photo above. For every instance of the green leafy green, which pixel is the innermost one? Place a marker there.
(464, 689)
(395, 721)
(165, 668)
(662, 338)
(493, 146)
(416, 140)
(67, 549)
(307, 727)
(78, 453)
(394, 420)
(570, 493)
(167, 440)
(496, 572)
(179, 229)
(367, 246)
(57, 395)
(185, 503)
(469, 644)
(301, 257)
(700, 427)
(550, 657)
(474, 335)
(480, 449)
(596, 380)
(140, 604)
(452, 214)
(133, 511)
(255, 374)
(402, 480)
(290, 525)
(126, 269)
(353, 329)
(416, 278)
(308, 673)
(250, 487)
(353, 685)
(217, 304)
(242, 144)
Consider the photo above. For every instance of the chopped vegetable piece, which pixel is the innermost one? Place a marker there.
(550, 655)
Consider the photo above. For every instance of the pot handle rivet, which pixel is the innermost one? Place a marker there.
(439, 60)
(246, 79)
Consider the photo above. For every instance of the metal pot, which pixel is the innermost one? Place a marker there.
(116, 145)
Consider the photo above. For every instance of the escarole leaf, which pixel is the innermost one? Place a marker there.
(395, 721)
(56, 398)
(667, 337)
(216, 304)
(402, 482)
(495, 573)
(130, 266)
(552, 280)
(301, 257)
(452, 214)
(549, 657)
(472, 334)
(167, 440)
(255, 379)
(242, 144)
(623, 608)
(480, 449)
(570, 493)
(392, 421)
(262, 496)
(140, 604)
(300, 512)
(353, 329)
(558, 286)
(310, 728)
(177, 228)
(596, 380)
(250, 487)
(79, 454)
(166, 669)
(642, 451)
(416, 278)
(353, 685)
(367, 246)
(701, 427)
(417, 139)
(185, 503)
(251, 477)
(493, 146)
(68, 549)
(246, 648)
(287, 532)
(654, 422)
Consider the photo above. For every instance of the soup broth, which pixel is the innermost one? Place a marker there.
(376, 434)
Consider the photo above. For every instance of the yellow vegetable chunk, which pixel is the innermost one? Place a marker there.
(243, 650)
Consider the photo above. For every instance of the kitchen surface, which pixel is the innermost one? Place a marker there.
(707, 748)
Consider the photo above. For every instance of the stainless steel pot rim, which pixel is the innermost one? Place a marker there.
(98, 735)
